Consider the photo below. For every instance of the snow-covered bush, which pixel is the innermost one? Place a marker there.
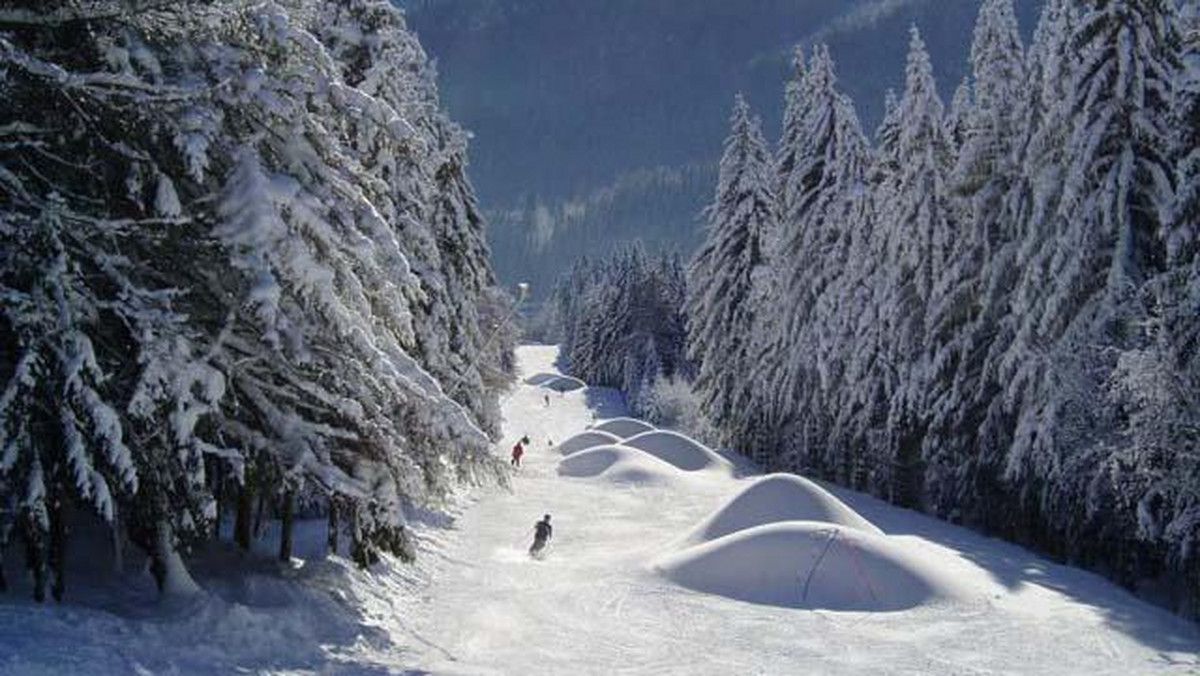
(671, 403)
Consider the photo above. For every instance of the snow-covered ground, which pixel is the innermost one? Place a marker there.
(598, 605)
(655, 542)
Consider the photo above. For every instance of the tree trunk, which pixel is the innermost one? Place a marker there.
(332, 533)
(118, 547)
(285, 537)
(158, 564)
(36, 564)
(243, 521)
(58, 546)
(167, 566)
(219, 497)
(259, 515)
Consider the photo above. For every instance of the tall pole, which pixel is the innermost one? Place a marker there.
(522, 294)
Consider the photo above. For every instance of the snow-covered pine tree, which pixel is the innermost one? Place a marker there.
(1157, 386)
(722, 275)
(471, 375)
(828, 168)
(234, 293)
(1184, 236)
(1107, 245)
(959, 115)
(628, 328)
(1010, 282)
(421, 187)
(987, 172)
(985, 169)
(791, 141)
(856, 332)
(105, 346)
(672, 337)
(921, 241)
(1177, 523)
(762, 440)
(327, 304)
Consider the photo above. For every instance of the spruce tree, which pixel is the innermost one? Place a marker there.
(723, 273)
(206, 251)
(1107, 244)
(986, 173)
(921, 242)
(829, 167)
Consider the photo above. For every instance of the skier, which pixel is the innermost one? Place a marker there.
(542, 533)
(547, 397)
(517, 452)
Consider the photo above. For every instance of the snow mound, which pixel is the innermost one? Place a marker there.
(618, 464)
(586, 440)
(624, 427)
(680, 450)
(805, 564)
(539, 379)
(565, 384)
(779, 497)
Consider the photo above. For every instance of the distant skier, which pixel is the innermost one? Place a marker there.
(517, 452)
(547, 398)
(541, 534)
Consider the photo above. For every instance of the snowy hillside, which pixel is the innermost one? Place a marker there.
(623, 589)
(690, 564)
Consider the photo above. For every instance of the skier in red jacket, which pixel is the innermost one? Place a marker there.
(517, 452)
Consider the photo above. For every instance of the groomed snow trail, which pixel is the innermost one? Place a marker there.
(596, 606)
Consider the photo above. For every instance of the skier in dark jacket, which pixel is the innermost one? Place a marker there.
(541, 534)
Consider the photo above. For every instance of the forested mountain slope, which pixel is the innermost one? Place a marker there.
(574, 101)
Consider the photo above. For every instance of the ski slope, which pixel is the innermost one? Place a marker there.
(666, 559)
(598, 605)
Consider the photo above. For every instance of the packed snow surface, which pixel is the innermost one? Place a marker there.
(597, 605)
(779, 497)
(586, 440)
(807, 564)
(624, 427)
(679, 450)
(618, 464)
(475, 604)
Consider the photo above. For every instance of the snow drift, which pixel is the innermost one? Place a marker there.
(679, 450)
(779, 497)
(805, 564)
(624, 427)
(565, 384)
(586, 440)
(618, 464)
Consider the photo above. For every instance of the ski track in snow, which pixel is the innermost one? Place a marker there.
(595, 606)
(476, 604)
